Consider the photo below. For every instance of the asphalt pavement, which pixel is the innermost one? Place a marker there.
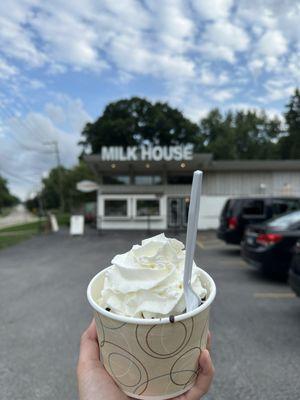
(255, 323)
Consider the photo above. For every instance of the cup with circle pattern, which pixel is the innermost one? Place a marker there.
(152, 359)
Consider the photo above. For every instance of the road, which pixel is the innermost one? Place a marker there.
(19, 215)
(255, 323)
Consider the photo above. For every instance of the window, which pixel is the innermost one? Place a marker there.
(116, 179)
(148, 180)
(254, 208)
(283, 206)
(186, 206)
(180, 179)
(145, 208)
(115, 208)
(285, 221)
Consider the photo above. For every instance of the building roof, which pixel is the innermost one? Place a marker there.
(255, 165)
(199, 161)
(202, 161)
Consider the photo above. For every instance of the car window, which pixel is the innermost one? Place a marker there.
(225, 208)
(281, 206)
(285, 220)
(232, 207)
(254, 208)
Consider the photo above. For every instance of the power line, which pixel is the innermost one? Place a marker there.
(9, 114)
(13, 176)
(24, 104)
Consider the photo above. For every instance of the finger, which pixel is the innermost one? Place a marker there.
(89, 347)
(204, 378)
(208, 343)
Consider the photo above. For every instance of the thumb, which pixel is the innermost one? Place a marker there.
(204, 378)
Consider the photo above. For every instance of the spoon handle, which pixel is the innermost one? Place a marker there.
(192, 226)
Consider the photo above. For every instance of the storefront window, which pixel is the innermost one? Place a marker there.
(116, 179)
(145, 208)
(180, 179)
(115, 208)
(148, 180)
(186, 207)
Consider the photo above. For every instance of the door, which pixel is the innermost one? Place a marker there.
(178, 209)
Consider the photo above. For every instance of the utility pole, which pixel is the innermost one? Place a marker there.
(54, 143)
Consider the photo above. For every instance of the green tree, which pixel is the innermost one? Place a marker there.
(135, 121)
(240, 135)
(6, 198)
(50, 196)
(290, 143)
(218, 135)
(74, 198)
(256, 135)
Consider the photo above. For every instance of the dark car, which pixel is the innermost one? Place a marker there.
(294, 274)
(238, 213)
(269, 246)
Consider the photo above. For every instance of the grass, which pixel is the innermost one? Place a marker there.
(6, 241)
(5, 211)
(22, 228)
(12, 235)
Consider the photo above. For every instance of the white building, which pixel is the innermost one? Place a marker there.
(151, 191)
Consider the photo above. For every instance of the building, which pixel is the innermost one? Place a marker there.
(149, 187)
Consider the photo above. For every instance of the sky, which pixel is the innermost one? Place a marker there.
(62, 61)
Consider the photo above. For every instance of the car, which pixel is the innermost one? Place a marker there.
(238, 213)
(269, 246)
(294, 273)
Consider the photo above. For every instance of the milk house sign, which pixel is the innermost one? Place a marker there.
(147, 153)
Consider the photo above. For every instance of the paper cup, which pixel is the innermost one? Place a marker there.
(152, 358)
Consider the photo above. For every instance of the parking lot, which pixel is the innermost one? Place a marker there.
(255, 323)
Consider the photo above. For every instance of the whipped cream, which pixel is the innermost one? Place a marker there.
(147, 281)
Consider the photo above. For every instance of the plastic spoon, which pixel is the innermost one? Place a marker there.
(192, 301)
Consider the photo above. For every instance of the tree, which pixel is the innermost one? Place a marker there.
(290, 143)
(240, 135)
(218, 135)
(6, 198)
(72, 197)
(135, 121)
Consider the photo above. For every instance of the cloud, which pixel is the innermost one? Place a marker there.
(222, 39)
(278, 89)
(216, 9)
(272, 43)
(24, 156)
(210, 78)
(195, 55)
(6, 70)
(223, 95)
(19, 44)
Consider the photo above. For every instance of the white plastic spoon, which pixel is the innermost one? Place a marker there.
(192, 301)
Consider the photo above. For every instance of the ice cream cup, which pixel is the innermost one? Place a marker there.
(152, 358)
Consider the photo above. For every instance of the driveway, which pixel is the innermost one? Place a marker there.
(255, 323)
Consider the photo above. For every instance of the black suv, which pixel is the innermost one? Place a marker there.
(294, 278)
(238, 213)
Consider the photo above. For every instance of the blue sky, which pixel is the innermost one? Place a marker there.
(62, 62)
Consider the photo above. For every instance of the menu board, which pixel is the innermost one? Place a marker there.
(53, 223)
(77, 225)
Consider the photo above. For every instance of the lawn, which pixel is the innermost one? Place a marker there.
(12, 235)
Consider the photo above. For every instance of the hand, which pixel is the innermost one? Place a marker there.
(94, 383)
